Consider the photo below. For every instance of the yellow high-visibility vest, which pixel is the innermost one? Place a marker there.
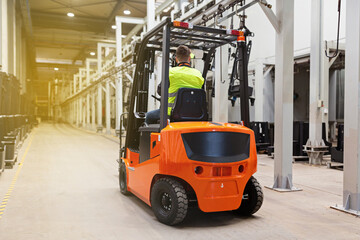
(182, 77)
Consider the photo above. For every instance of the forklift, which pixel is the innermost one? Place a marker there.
(185, 160)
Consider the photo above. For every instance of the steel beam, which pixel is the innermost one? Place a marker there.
(88, 110)
(4, 36)
(131, 20)
(113, 13)
(150, 9)
(221, 102)
(351, 190)
(316, 80)
(99, 108)
(118, 80)
(93, 110)
(259, 90)
(220, 106)
(271, 16)
(80, 111)
(107, 107)
(138, 27)
(11, 37)
(150, 24)
(284, 87)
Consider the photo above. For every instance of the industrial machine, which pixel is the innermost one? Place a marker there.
(186, 161)
(337, 153)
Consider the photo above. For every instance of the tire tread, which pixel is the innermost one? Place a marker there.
(181, 198)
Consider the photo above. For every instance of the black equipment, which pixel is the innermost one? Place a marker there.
(337, 153)
(262, 135)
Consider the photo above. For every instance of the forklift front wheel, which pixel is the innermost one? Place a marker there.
(122, 179)
(169, 201)
(252, 198)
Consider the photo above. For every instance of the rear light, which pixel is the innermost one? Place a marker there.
(241, 39)
(182, 24)
(221, 171)
(226, 171)
(217, 171)
(234, 32)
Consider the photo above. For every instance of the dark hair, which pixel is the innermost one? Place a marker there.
(183, 53)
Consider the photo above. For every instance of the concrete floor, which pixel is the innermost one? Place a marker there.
(67, 188)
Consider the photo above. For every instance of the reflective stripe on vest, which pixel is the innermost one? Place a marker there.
(182, 77)
(172, 94)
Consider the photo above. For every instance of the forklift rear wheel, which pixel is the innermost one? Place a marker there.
(252, 198)
(169, 201)
(122, 179)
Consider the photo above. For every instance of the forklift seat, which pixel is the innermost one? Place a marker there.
(190, 105)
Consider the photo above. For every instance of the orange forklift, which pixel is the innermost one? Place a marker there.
(187, 161)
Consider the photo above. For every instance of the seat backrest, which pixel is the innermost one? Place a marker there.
(190, 105)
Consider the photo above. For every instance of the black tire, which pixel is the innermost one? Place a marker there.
(123, 179)
(252, 198)
(169, 201)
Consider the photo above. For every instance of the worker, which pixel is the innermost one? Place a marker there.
(181, 76)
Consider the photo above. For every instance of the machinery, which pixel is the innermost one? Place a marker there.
(185, 161)
(337, 153)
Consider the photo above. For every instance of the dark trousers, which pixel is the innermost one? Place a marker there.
(152, 117)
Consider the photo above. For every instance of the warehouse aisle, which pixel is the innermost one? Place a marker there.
(67, 188)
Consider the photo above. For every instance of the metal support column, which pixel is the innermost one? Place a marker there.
(284, 85)
(99, 91)
(315, 144)
(18, 53)
(107, 107)
(80, 109)
(88, 60)
(150, 7)
(4, 36)
(11, 37)
(259, 90)
(75, 113)
(351, 191)
(99, 109)
(118, 79)
(88, 110)
(150, 10)
(75, 83)
(220, 106)
(220, 102)
(93, 110)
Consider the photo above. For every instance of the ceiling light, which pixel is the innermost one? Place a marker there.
(113, 27)
(127, 12)
(92, 53)
(56, 69)
(70, 14)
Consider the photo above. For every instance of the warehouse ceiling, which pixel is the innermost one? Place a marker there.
(63, 42)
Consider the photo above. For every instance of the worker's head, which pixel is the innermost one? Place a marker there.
(183, 54)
